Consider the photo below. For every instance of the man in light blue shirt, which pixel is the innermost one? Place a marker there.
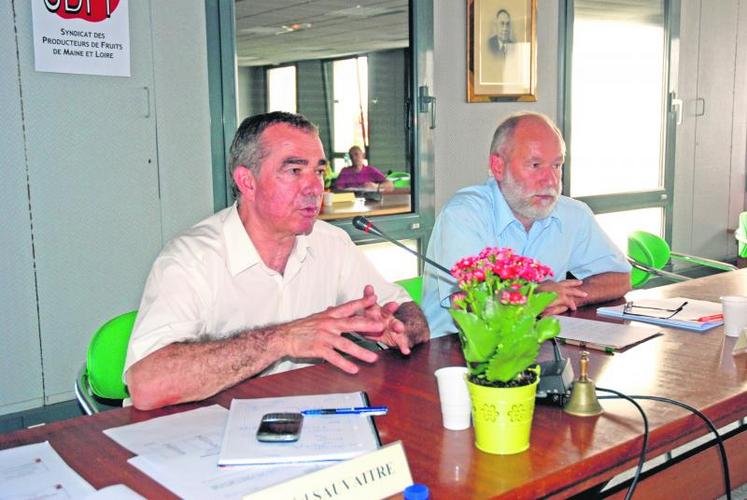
(521, 207)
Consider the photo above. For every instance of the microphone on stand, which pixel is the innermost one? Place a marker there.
(556, 375)
(363, 224)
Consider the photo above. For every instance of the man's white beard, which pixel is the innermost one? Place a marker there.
(519, 199)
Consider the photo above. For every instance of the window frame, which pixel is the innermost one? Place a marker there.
(617, 202)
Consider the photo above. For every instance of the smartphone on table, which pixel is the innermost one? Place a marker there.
(280, 427)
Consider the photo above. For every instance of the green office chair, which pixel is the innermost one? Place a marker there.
(413, 286)
(741, 235)
(99, 384)
(649, 253)
(400, 180)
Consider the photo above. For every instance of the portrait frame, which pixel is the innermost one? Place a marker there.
(501, 61)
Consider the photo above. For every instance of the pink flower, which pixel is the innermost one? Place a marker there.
(517, 298)
(502, 271)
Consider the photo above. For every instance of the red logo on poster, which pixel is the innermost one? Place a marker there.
(88, 10)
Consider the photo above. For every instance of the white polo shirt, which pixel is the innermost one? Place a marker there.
(210, 282)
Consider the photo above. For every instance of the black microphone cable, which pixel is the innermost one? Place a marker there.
(706, 420)
(642, 456)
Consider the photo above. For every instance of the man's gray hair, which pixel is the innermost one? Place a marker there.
(502, 142)
(247, 149)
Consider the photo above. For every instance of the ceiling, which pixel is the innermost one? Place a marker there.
(278, 31)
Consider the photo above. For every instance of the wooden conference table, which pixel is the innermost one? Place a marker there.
(567, 454)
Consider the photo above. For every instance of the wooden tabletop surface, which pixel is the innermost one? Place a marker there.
(567, 454)
(397, 202)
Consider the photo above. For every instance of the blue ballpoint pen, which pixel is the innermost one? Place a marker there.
(361, 410)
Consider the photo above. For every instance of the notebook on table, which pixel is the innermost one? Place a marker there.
(323, 437)
(676, 312)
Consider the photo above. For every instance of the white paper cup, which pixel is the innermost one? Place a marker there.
(327, 199)
(456, 407)
(735, 314)
(456, 418)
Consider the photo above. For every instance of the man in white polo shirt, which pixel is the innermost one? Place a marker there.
(263, 285)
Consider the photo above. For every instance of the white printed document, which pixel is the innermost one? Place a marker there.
(190, 433)
(37, 471)
(323, 437)
(180, 452)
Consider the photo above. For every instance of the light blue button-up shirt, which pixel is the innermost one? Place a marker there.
(568, 240)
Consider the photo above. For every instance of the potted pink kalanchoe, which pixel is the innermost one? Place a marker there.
(497, 313)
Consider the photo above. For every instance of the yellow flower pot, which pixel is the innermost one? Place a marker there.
(502, 417)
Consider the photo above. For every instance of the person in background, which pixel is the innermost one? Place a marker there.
(521, 207)
(363, 176)
(262, 286)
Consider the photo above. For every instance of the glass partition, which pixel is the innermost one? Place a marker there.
(346, 67)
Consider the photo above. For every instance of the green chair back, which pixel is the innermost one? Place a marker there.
(400, 180)
(653, 252)
(106, 357)
(413, 286)
(640, 253)
(644, 248)
(741, 235)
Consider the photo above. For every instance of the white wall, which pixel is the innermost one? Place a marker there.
(182, 113)
(464, 130)
(20, 357)
(709, 181)
(103, 170)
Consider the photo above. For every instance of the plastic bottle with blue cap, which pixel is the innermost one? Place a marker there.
(417, 491)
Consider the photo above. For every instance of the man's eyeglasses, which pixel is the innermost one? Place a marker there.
(664, 313)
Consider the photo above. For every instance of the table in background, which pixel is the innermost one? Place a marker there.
(567, 454)
(397, 202)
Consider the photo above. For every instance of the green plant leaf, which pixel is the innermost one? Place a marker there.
(547, 328)
(515, 356)
(538, 302)
(478, 340)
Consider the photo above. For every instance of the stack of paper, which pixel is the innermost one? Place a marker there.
(348, 197)
(677, 312)
(323, 438)
(180, 451)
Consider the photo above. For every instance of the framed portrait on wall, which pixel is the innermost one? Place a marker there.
(501, 50)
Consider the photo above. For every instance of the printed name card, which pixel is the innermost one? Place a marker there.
(378, 474)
